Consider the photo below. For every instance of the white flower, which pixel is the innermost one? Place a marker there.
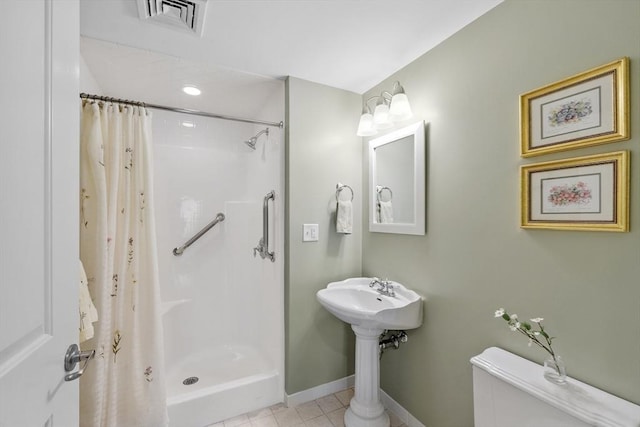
(533, 335)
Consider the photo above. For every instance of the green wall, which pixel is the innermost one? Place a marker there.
(321, 150)
(474, 257)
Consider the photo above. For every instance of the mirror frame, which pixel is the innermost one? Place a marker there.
(419, 166)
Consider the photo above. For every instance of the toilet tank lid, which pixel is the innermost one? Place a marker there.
(580, 400)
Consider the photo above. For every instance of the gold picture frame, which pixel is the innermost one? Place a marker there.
(587, 109)
(584, 193)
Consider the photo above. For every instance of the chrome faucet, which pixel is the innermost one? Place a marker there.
(384, 287)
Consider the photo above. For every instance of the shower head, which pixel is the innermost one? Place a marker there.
(251, 142)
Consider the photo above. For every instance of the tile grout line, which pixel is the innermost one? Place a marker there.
(325, 411)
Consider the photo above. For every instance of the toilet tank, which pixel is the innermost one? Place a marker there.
(510, 391)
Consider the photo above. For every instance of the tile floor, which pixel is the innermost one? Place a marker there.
(327, 411)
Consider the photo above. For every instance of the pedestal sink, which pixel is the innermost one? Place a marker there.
(370, 312)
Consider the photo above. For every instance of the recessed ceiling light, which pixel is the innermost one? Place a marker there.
(188, 124)
(191, 90)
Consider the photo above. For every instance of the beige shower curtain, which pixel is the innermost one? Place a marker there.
(124, 385)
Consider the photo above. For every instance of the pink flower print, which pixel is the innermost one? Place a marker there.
(563, 195)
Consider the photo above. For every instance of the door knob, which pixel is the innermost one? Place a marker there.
(72, 358)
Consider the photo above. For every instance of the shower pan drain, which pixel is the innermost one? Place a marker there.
(190, 380)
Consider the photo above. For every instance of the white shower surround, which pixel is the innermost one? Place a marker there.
(224, 307)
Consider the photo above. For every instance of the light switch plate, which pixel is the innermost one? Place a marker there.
(310, 232)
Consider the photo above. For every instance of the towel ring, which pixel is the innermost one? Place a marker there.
(379, 190)
(339, 188)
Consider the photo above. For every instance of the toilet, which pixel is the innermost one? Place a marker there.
(510, 391)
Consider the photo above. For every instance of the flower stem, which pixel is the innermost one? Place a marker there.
(525, 329)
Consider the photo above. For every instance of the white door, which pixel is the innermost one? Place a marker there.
(39, 116)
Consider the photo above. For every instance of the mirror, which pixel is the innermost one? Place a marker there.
(397, 181)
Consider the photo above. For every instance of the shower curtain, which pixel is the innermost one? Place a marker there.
(124, 385)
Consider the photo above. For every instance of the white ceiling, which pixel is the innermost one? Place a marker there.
(131, 73)
(347, 44)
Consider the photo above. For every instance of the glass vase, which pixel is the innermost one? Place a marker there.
(554, 370)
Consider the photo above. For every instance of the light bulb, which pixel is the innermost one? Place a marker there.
(381, 119)
(400, 108)
(191, 90)
(365, 126)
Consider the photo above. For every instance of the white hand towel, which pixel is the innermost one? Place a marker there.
(344, 217)
(386, 212)
(88, 312)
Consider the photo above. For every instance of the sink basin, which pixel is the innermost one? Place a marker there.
(354, 302)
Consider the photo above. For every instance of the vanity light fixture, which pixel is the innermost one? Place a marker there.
(390, 108)
(381, 115)
(191, 90)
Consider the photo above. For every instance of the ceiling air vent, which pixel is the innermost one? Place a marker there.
(185, 14)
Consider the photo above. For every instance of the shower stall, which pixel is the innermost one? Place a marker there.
(222, 302)
(223, 294)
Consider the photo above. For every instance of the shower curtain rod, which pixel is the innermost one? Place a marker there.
(179, 110)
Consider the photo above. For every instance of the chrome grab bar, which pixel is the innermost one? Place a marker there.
(263, 244)
(219, 218)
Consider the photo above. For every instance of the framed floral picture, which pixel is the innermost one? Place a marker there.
(583, 193)
(587, 109)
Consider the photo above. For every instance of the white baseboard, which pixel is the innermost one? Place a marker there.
(317, 392)
(344, 383)
(399, 411)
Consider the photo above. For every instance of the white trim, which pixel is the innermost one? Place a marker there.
(399, 411)
(322, 390)
(317, 392)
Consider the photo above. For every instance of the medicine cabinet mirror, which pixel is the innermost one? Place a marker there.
(397, 181)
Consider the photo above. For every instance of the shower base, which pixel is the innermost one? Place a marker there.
(231, 380)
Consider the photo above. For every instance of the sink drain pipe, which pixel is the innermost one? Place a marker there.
(391, 340)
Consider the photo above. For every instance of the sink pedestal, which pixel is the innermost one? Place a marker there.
(365, 409)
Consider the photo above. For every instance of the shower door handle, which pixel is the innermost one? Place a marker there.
(72, 358)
